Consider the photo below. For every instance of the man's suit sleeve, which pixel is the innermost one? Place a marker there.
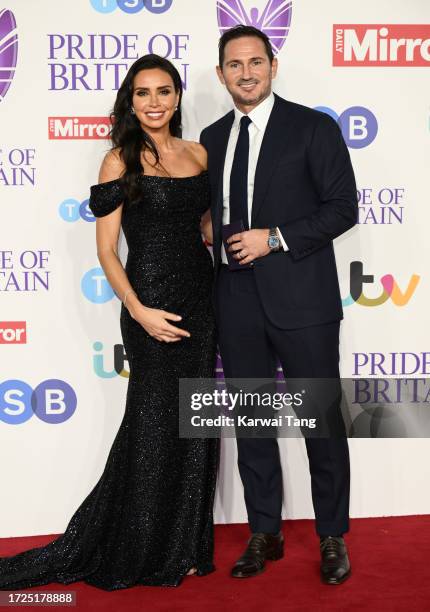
(333, 177)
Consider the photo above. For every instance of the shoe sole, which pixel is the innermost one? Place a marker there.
(347, 575)
(248, 575)
(272, 557)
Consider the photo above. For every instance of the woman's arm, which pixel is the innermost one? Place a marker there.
(107, 234)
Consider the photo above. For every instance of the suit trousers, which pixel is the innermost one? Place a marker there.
(249, 346)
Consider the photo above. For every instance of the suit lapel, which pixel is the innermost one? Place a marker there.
(274, 140)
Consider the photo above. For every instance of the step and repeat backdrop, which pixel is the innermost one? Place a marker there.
(64, 372)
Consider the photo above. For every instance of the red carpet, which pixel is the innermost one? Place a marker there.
(390, 559)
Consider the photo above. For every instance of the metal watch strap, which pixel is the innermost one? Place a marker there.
(273, 233)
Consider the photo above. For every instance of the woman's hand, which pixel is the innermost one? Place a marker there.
(156, 323)
(206, 227)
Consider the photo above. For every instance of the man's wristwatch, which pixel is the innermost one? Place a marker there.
(273, 240)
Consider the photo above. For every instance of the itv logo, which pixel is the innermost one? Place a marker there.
(119, 359)
(390, 288)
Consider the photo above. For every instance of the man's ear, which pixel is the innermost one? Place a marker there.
(220, 74)
(274, 67)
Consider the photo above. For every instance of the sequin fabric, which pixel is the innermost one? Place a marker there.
(148, 520)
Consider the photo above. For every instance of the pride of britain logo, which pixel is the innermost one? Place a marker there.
(8, 50)
(274, 19)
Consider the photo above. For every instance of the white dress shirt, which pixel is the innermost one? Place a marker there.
(259, 117)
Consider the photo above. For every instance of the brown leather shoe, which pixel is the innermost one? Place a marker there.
(261, 547)
(335, 566)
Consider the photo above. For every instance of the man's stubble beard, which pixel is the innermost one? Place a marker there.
(253, 102)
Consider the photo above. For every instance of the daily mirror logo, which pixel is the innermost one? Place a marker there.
(381, 45)
(272, 17)
(78, 128)
(8, 50)
(13, 332)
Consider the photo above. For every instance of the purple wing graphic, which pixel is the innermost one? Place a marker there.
(230, 13)
(8, 50)
(274, 20)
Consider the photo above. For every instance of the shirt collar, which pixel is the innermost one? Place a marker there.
(259, 115)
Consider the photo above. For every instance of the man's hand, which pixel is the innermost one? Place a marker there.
(249, 245)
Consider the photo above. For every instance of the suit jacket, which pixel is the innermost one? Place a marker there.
(305, 185)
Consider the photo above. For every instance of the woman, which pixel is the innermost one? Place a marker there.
(148, 520)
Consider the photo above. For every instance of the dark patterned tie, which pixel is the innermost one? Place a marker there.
(239, 175)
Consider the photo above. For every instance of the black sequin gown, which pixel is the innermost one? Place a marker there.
(149, 518)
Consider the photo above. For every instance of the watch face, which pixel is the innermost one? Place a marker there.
(273, 242)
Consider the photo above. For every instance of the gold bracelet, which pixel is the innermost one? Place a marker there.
(126, 294)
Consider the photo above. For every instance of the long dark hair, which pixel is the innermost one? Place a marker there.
(126, 131)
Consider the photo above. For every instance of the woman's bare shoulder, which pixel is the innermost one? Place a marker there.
(198, 152)
(112, 166)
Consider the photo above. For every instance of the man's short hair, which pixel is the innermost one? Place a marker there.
(240, 31)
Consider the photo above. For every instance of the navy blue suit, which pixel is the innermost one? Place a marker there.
(287, 307)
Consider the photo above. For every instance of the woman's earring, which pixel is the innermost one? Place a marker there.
(176, 108)
(132, 111)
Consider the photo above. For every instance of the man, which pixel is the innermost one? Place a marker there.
(285, 171)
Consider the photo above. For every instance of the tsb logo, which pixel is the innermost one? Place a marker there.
(131, 6)
(52, 401)
(95, 286)
(13, 332)
(72, 210)
(381, 45)
(358, 124)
